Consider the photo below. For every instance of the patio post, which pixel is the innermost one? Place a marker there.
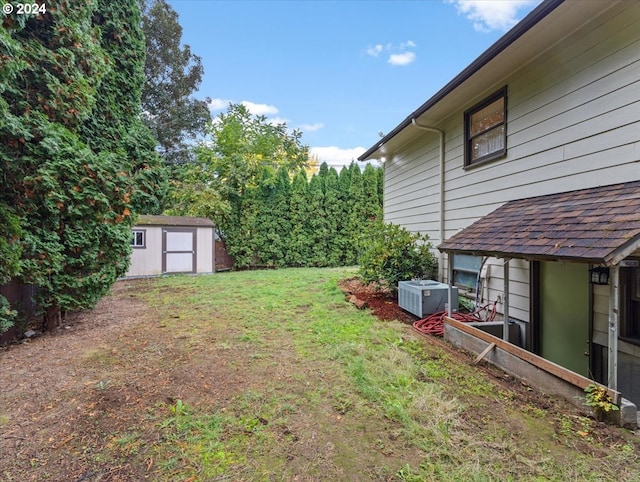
(505, 301)
(614, 321)
(450, 282)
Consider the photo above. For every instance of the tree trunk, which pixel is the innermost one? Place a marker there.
(52, 318)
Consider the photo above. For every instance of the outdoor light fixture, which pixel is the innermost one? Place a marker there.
(599, 276)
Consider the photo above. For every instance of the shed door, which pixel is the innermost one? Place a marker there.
(564, 315)
(178, 250)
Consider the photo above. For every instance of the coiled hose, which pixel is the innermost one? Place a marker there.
(434, 324)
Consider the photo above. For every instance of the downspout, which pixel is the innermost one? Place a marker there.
(441, 194)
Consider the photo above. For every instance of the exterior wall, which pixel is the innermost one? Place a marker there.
(204, 254)
(147, 261)
(573, 122)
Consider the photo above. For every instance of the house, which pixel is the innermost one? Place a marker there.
(171, 244)
(524, 170)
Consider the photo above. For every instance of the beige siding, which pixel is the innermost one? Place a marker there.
(204, 254)
(573, 122)
(148, 260)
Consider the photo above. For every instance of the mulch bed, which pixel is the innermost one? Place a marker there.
(381, 302)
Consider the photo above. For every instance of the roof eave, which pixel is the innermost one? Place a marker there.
(525, 256)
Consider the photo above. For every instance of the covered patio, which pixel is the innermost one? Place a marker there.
(598, 227)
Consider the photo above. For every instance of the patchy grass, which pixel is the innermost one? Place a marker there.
(270, 375)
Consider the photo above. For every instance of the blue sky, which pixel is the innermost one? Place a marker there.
(339, 71)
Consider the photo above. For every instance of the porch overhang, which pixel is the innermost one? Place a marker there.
(599, 225)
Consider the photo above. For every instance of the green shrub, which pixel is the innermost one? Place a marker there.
(390, 253)
(7, 315)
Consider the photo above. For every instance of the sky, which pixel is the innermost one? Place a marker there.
(344, 73)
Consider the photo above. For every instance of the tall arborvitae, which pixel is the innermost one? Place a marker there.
(343, 235)
(318, 225)
(299, 250)
(245, 229)
(333, 206)
(370, 189)
(76, 162)
(357, 214)
(272, 226)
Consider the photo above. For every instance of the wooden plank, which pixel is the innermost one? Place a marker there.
(489, 347)
(539, 362)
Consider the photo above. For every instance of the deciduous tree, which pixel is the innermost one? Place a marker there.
(173, 74)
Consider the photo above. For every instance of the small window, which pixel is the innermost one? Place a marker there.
(630, 304)
(485, 129)
(465, 271)
(138, 238)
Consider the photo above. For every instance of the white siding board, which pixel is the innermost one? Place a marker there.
(578, 56)
(592, 170)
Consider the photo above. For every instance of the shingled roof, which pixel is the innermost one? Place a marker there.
(600, 225)
(181, 221)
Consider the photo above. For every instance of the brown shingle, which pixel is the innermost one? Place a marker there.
(589, 224)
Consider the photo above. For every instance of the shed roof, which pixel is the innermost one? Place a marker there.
(598, 225)
(152, 220)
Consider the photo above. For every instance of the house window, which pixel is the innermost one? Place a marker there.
(138, 238)
(465, 271)
(630, 305)
(485, 129)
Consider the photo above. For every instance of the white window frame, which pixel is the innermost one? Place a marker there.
(139, 238)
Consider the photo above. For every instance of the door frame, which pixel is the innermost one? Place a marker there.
(193, 251)
(534, 330)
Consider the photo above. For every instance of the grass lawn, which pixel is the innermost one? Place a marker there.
(271, 375)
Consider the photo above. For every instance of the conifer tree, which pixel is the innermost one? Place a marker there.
(272, 226)
(356, 216)
(245, 229)
(318, 223)
(75, 159)
(299, 249)
(370, 189)
(334, 212)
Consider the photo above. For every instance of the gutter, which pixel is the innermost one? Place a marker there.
(441, 193)
(535, 16)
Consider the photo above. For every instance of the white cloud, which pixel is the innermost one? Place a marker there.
(311, 127)
(336, 156)
(255, 109)
(402, 59)
(274, 121)
(218, 104)
(488, 15)
(259, 109)
(375, 50)
(398, 54)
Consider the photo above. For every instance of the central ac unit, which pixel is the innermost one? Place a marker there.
(425, 297)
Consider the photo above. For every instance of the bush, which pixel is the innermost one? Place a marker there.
(391, 253)
(7, 315)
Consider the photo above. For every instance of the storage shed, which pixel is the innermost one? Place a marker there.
(171, 244)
